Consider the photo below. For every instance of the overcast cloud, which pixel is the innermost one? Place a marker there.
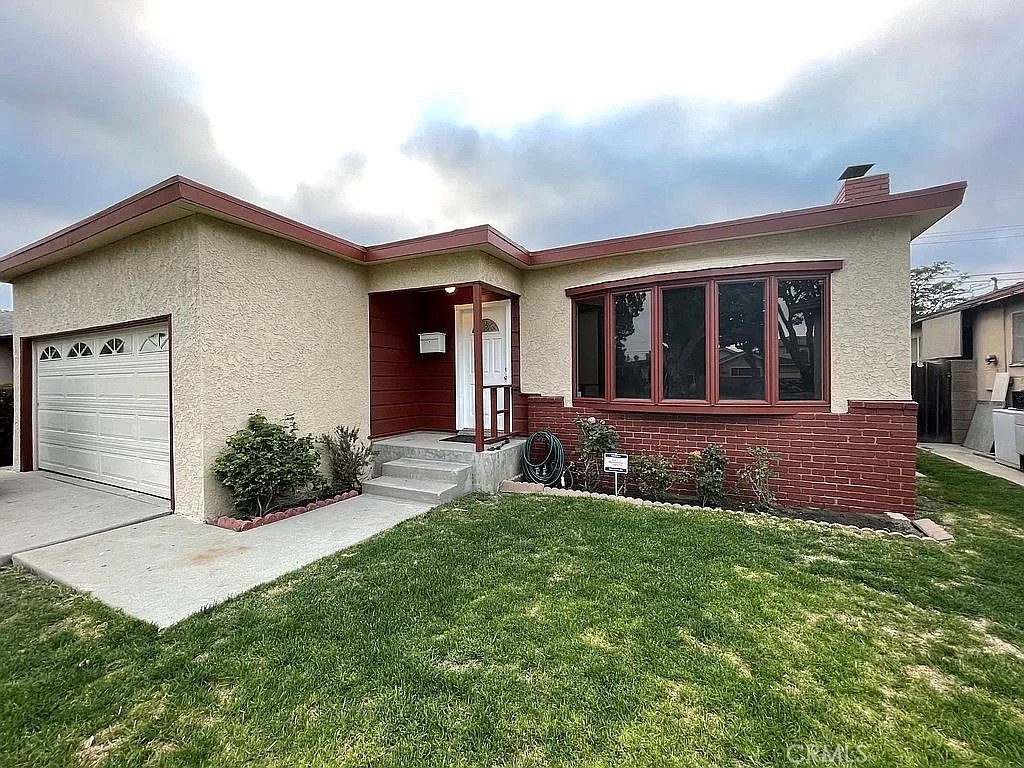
(90, 112)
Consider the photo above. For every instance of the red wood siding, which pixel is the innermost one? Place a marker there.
(410, 391)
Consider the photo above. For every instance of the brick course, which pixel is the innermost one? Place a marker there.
(862, 461)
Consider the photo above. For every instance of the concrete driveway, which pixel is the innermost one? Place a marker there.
(38, 509)
(164, 570)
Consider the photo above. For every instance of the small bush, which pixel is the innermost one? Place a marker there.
(652, 475)
(707, 471)
(758, 474)
(265, 461)
(347, 458)
(597, 438)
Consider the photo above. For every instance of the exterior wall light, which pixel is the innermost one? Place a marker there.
(450, 289)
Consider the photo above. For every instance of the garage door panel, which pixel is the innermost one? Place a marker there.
(82, 460)
(78, 385)
(117, 426)
(106, 417)
(154, 430)
(50, 419)
(118, 385)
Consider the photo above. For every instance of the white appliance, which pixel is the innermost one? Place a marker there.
(1008, 426)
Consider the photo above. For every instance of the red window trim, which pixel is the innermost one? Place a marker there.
(769, 275)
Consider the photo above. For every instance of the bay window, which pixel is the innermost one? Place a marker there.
(745, 339)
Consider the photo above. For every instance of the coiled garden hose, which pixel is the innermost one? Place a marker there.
(549, 470)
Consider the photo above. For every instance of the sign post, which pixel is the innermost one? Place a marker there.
(617, 464)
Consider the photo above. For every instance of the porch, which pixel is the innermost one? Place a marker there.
(460, 381)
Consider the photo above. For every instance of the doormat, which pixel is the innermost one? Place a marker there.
(460, 439)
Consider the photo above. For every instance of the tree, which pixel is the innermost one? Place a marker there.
(935, 287)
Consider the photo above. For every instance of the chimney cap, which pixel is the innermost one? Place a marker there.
(855, 171)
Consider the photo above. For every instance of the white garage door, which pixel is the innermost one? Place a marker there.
(103, 407)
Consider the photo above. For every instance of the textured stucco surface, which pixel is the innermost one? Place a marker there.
(284, 329)
(870, 304)
(153, 273)
(993, 335)
(444, 269)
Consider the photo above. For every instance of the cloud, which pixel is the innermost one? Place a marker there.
(939, 98)
(91, 113)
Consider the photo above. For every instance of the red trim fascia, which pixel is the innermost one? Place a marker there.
(187, 194)
(456, 240)
(26, 460)
(178, 190)
(261, 218)
(946, 197)
(756, 271)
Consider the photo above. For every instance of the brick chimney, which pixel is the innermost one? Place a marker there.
(863, 189)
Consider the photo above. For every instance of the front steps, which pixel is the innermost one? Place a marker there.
(425, 480)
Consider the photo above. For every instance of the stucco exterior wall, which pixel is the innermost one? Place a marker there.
(444, 269)
(153, 273)
(993, 335)
(284, 329)
(870, 304)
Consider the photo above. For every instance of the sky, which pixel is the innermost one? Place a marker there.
(554, 122)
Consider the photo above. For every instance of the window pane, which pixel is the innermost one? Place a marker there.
(741, 341)
(590, 348)
(1017, 349)
(684, 343)
(633, 345)
(800, 337)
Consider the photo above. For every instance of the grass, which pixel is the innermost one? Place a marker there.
(520, 631)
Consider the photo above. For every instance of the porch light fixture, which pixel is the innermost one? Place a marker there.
(450, 289)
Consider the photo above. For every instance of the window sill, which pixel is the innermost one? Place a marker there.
(724, 409)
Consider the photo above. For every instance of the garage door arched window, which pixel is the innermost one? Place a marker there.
(155, 342)
(79, 349)
(50, 353)
(113, 346)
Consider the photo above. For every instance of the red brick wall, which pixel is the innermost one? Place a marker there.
(858, 461)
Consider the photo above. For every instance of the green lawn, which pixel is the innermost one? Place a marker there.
(518, 631)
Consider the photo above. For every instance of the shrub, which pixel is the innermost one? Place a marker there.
(758, 474)
(6, 425)
(652, 474)
(707, 470)
(347, 458)
(597, 438)
(266, 460)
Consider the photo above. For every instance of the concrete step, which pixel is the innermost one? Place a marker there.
(428, 491)
(427, 469)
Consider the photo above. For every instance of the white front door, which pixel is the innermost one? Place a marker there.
(103, 407)
(497, 347)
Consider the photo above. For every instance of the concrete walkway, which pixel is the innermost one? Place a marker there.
(38, 509)
(164, 570)
(969, 458)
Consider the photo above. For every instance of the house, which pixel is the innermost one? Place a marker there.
(958, 352)
(147, 332)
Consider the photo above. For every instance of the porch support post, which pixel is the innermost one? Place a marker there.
(478, 366)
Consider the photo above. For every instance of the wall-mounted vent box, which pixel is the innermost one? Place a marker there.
(432, 342)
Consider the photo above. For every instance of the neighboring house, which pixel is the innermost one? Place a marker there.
(964, 348)
(6, 348)
(146, 333)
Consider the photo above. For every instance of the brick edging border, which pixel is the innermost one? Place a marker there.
(515, 486)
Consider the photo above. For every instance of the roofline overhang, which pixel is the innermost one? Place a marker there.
(178, 197)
